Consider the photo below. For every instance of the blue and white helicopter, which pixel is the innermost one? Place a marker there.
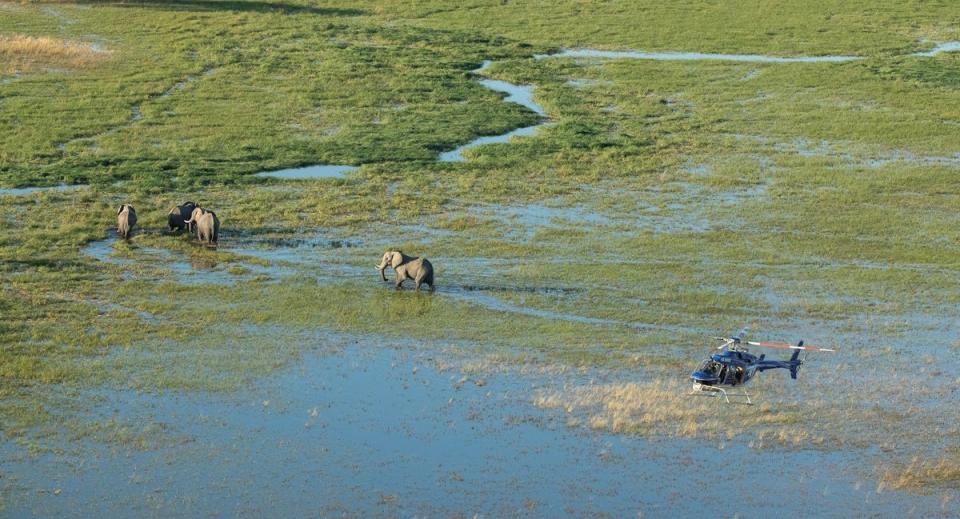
(735, 366)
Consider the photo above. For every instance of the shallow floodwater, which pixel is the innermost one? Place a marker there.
(319, 171)
(519, 94)
(840, 151)
(185, 270)
(21, 191)
(694, 56)
(372, 430)
(456, 155)
(102, 250)
(950, 46)
(523, 94)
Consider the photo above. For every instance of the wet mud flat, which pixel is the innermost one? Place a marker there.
(186, 269)
(364, 426)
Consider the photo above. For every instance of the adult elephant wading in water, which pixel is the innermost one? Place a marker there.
(407, 267)
(126, 219)
(207, 223)
(178, 217)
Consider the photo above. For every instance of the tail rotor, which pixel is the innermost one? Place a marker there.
(795, 361)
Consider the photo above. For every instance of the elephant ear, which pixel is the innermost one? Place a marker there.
(121, 209)
(396, 258)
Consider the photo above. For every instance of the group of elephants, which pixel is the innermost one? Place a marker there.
(189, 215)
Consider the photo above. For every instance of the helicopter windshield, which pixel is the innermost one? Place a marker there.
(709, 367)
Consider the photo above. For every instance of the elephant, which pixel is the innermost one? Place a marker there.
(126, 219)
(178, 216)
(407, 267)
(207, 223)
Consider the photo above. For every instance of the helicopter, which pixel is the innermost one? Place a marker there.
(735, 366)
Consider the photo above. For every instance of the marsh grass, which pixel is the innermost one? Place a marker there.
(784, 416)
(923, 474)
(834, 28)
(662, 408)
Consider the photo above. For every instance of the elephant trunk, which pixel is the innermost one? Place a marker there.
(381, 268)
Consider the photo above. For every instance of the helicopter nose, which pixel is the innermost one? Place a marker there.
(704, 378)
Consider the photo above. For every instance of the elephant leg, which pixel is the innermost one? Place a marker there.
(401, 277)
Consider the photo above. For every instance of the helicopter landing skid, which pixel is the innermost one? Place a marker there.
(702, 390)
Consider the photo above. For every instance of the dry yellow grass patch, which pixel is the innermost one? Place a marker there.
(19, 53)
(922, 474)
(664, 408)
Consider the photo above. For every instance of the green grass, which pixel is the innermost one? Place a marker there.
(775, 27)
(777, 195)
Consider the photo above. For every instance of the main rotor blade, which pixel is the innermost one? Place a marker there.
(741, 334)
(726, 342)
(788, 346)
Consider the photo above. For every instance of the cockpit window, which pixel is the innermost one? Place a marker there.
(709, 367)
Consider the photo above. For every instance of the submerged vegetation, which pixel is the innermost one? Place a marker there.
(924, 474)
(663, 202)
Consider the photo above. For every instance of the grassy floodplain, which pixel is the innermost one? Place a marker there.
(665, 201)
